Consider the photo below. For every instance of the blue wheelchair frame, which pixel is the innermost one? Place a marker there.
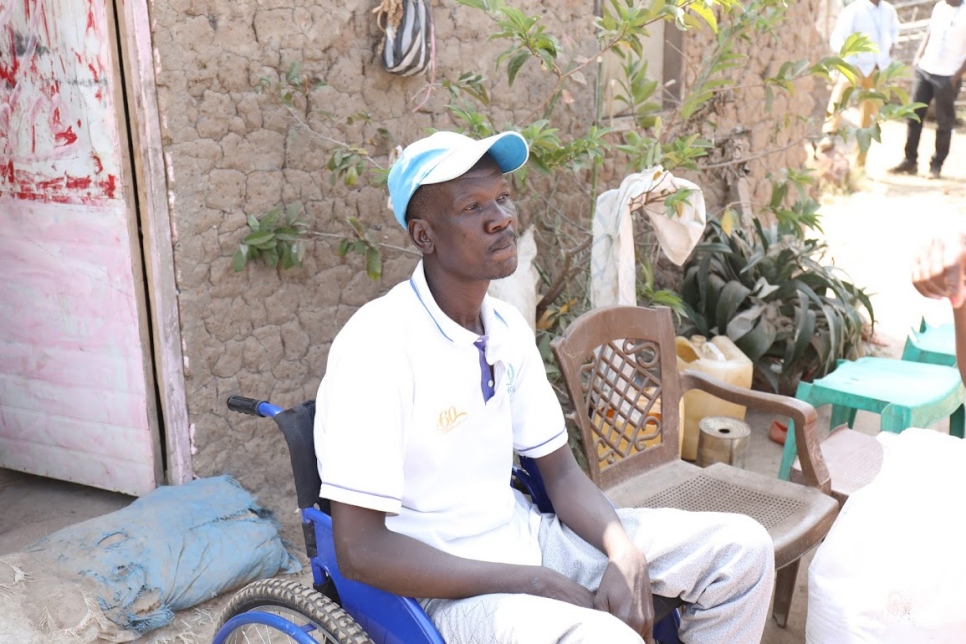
(386, 618)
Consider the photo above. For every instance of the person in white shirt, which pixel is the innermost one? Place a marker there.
(428, 392)
(878, 20)
(940, 65)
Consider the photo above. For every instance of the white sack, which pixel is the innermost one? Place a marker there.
(520, 288)
(892, 568)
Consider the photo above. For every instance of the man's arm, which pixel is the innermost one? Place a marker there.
(940, 271)
(625, 589)
(369, 552)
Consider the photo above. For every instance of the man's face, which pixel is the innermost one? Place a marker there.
(471, 224)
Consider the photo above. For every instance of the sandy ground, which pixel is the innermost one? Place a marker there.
(872, 233)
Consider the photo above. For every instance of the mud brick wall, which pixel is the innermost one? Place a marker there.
(231, 152)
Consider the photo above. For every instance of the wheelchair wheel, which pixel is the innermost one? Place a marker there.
(311, 612)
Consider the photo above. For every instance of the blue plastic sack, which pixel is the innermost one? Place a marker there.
(171, 549)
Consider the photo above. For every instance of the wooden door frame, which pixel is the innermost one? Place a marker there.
(136, 54)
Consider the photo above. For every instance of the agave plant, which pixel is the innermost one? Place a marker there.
(793, 316)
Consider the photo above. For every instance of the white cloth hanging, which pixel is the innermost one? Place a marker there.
(612, 262)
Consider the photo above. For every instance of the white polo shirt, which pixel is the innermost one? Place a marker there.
(401, 425)
(881, 25)
(946, 49)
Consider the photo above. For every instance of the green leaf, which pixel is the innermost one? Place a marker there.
(730, 300)
(758, 341)
(260, 238)
(240, 258)
(513, 67)
(271, 257)
(252, 222)
(373, 263)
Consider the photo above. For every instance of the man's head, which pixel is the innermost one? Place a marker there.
(444, 156)
(449, 191)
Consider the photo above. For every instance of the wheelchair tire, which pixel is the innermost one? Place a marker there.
(295, 602)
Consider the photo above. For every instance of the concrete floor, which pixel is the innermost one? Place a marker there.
(872, 235)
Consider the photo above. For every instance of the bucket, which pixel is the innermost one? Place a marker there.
(722, 440)
(720, 359)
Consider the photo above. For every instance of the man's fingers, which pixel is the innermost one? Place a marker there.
(954, 284)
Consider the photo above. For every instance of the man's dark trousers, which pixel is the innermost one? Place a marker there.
(928, 87)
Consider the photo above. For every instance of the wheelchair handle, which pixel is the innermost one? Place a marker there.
(253, 407)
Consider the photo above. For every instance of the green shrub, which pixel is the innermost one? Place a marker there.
(769, 291)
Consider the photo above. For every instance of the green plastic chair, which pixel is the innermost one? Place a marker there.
(932, 345)
(903, 393)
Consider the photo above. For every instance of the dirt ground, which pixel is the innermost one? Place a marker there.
(872, 232)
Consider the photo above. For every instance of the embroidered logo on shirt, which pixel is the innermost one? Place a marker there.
(450, 419)
(511, 375)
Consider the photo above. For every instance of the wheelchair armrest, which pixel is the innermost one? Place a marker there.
(385, 617)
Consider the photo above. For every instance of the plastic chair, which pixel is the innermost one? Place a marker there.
(904, 394)
(369, 613)
(931, 344)
(619, 365)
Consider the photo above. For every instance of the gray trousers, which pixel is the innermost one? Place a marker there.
(722, 565)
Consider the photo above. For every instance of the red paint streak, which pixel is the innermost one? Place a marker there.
(33, 139)
(78, 183)
(99, 95)
(108, 186)
(26, 7)
(67, 136)
(90, 17)
(6, 172)
(44, 186)
(77, 55)
(43, 14)
(33, 196)
(97, 162)
(9, 74)
(78, 124)
(56, 117)
(90, 66)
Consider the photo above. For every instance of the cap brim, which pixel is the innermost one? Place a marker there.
(508, 149)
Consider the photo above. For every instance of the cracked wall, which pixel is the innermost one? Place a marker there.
(231, 152)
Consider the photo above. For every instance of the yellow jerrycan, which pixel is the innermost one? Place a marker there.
(718, 358)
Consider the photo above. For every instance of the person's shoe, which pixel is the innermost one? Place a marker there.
(934, 173)
(906, 167)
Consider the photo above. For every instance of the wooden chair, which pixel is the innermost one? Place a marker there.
(620, 370)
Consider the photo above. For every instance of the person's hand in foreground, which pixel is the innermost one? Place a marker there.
(940, 270)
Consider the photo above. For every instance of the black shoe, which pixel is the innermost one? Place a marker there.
(934, 173)
(906, 167)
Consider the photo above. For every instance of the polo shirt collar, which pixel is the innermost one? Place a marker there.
(493, 322)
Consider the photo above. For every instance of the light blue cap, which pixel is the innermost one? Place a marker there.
(444, 156)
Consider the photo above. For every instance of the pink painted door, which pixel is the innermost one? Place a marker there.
(77, 397)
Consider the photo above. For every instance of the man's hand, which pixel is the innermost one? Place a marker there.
(940, 270)
(625, 592)
(553, 585)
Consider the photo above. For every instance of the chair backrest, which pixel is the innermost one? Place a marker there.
(620, 369)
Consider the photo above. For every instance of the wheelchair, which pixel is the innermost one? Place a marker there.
(337, 610)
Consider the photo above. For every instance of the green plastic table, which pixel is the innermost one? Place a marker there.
(931, 344)
(904, 394)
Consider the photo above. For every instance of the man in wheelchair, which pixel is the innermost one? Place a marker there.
(428, 392)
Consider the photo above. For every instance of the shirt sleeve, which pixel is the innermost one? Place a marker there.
(359, 425)
(538, 422)
(842, 30)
